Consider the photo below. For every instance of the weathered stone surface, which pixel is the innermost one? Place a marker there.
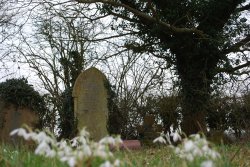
(149, 130)
(149, 120)
(90, 102)
(13, 118)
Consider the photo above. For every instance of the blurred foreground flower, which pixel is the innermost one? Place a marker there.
(192, 148)
(79, 151)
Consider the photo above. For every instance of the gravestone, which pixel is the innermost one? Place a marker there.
(90, 102)
(13, 117)
(149, 130)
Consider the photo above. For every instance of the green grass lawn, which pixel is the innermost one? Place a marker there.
(232, 156)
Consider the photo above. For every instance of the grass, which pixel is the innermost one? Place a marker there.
(23, 157)
(160, 156)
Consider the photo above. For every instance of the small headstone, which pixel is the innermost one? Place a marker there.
(149, 130)
(90, 102)
(13, 118)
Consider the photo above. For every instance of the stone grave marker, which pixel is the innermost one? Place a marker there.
(90, 102)
(149, 130)
(14, 117)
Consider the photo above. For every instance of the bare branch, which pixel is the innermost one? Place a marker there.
(243, 8)
(232, 70)
(168, 28)
(236, 46)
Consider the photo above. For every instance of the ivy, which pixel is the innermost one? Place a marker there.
(21, 94)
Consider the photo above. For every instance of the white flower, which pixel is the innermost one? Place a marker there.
(20, 132)
(176, 136)
(117, 162)
(51, 153)
(168, 138)
(107, 140)
(189, 157)
(42, 148)
(86, 150)
(160, 140)
(106, 164)
(214, 154)
(84, 133)
(14, 132)
(72, 152)
(188, 145)
(207, 163)
(74, 142)
(42, 136)
(72, 161)
(118, 140)
(100, 151)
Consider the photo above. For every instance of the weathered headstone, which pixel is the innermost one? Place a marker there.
(149, 130)
(90, 102)
(14, 117)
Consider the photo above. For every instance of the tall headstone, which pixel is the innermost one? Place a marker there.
(90, 102)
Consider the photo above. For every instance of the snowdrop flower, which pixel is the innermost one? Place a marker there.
(20, 132)
(106, 164)
(160, 140)
(176, 137)
(42, 136)
(117, 162)
(189, 145)
(197, 147)
(70, 160)
(191, 148)
(207, 163)
(74, 142)
(100, 151)
(42, 148)
(84, 133)
(188, 156)
(87, 150)
(51, 153)
(76, 152)
(107, 140)
(214, 154)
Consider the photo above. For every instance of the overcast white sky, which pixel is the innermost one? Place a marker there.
(16, 69)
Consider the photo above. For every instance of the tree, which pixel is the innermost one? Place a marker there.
(64, 42)
(57, 51)
(9, 13)
(21, 94)
(134, 77)
(196, 38)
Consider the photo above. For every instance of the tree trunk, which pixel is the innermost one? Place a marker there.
(195, 102)
(195, 67)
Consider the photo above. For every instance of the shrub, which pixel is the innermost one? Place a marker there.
(19, 93)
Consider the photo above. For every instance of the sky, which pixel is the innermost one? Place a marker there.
(11, 67)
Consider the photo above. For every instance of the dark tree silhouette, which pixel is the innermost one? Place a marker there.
(196, 38)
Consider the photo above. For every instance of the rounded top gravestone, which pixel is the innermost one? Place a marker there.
(90, 102)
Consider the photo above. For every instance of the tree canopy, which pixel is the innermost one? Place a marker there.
(196, 38)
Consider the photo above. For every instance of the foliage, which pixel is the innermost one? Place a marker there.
(23, 157)
(195, 38)
(21, 94)
(115, 119)
(67, 123)
(229, 113)
(127, 117)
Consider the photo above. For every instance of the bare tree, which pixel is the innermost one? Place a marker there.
(58, 50)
